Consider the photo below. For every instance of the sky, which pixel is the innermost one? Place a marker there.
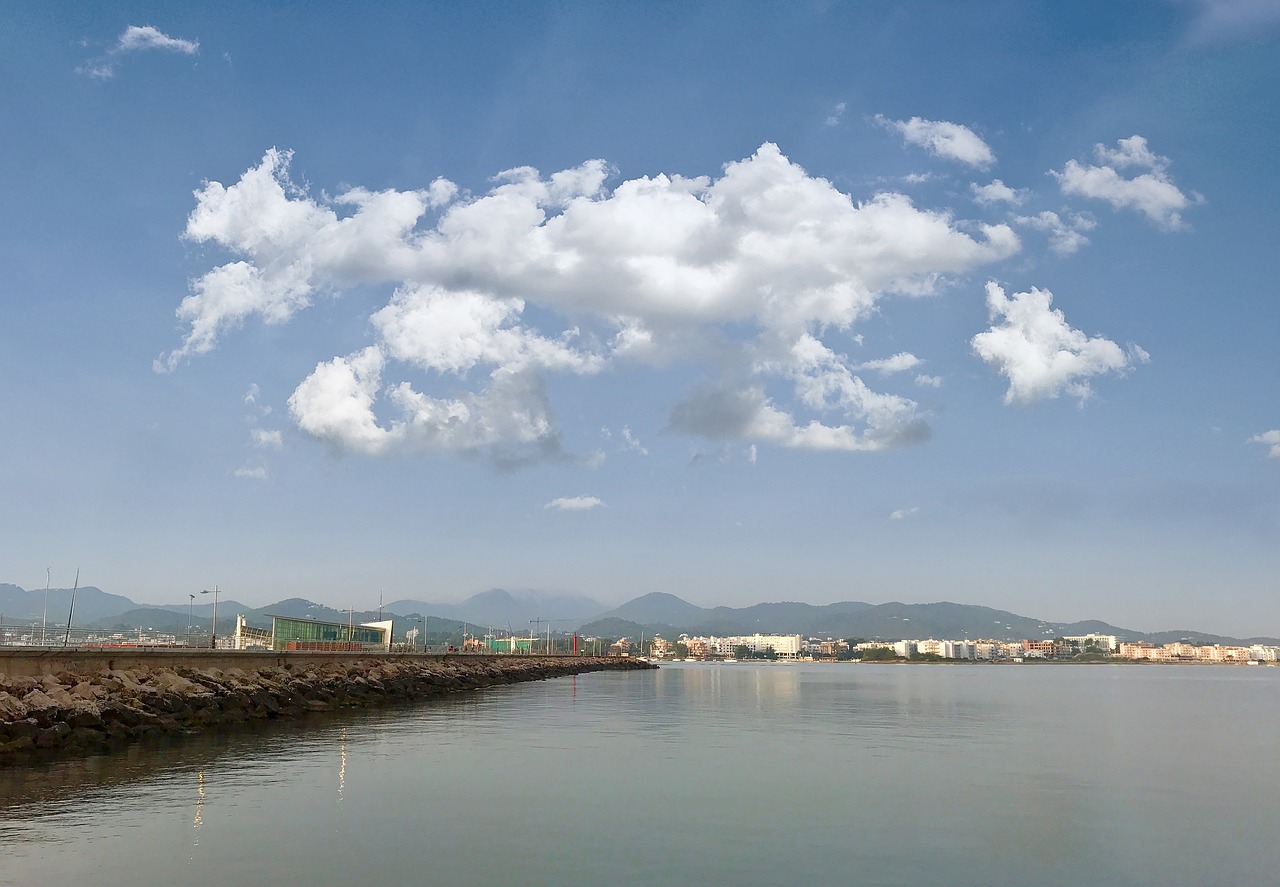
(740, 302)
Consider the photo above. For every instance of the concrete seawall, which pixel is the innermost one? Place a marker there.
(77, 701)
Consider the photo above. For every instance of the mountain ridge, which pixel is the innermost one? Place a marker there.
(652, 613)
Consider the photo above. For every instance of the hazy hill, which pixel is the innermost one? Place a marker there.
(657, 607)
(499, 608)
(92, 603)
(668, 615)
(654, 613)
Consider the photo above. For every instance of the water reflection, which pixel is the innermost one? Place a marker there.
(342, 765)
(886, 774)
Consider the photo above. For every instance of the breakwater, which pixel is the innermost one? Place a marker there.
(90, 701)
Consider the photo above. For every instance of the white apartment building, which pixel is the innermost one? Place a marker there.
(786, 646)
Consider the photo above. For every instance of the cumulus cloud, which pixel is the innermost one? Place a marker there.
(655, 271)
(1039, 353)
(926, 381)
(997, 191)
(1269, 439)
(1151, 193)
(136, 39)
(1065, 236)
(952, 141)
(575, 503)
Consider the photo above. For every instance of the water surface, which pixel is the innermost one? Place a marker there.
(873, 774)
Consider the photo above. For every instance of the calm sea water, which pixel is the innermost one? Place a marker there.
(698, 773)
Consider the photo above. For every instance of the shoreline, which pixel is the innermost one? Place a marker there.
(91, 702)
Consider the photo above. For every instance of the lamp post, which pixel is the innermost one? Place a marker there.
(213, 642)
(190, 608)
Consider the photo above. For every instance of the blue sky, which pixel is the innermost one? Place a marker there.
(797, 301)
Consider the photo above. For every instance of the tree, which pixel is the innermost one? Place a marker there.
(742, 651)
(682, 650)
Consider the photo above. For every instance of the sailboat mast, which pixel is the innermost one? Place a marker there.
(67, 637)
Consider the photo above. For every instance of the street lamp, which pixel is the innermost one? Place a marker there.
(213, 643)
(190, 607)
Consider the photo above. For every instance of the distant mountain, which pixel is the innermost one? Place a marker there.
(92, 603)
(499, 608)
(669, 615)
(654, 613)
(658, 607)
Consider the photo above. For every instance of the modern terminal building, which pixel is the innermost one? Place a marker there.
(288, 633)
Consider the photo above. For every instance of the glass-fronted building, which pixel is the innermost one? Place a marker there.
(288, 633)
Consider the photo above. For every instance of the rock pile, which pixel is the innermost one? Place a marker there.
(70, 711)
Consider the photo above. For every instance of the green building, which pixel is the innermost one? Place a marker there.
(288, 633)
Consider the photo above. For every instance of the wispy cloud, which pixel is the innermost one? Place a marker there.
(136, 39)
(902, 513)
(1218, 21)
(266, 439)
(952, 141)
(837, 113)
(257, 472)
(1066, 236)
(574, 503)
(900, 362)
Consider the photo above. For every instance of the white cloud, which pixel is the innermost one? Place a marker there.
(633, 443)
(1065, 237)
(1039, 353)
(136, 38)
(1151, 193)
(336, 404)
(927, 381)
(576, 503)
(952, 141)
(902, 513)
(752, 454)
(656, 271)
(900, 362)
(266, 440)
(997, 191)
(257, 472)
(836, 114)
(1269, 439)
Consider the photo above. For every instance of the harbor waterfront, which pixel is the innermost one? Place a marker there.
(744, 773)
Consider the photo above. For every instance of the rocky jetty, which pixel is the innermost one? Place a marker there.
(91, 706)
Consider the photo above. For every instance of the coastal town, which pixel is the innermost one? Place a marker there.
(1082, 648)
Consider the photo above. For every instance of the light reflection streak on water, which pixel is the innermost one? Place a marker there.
(342, 767)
